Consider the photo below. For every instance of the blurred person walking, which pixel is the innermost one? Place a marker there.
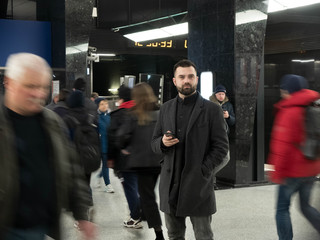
(54, 101)
(62, 109)
(128, 177)
(136, 134)
(292, 171)
(91, 107)
(191, 133)
(39, 169)
(83, 132)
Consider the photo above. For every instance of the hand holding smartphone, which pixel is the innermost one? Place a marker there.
(169, 139)
(169, 134)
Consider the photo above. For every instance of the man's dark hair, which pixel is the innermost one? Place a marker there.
(80, 84)
(183, 63)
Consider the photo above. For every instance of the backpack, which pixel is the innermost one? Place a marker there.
(311, 146)
(85, 136)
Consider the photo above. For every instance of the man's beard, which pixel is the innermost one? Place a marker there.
(188, 91)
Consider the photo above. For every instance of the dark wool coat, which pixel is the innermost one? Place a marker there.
(206, 144)
(71, 190)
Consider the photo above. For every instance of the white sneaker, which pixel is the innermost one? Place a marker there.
(76, 225)
(131, 223)
(109, 189)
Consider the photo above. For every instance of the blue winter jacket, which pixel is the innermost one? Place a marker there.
(104, 123)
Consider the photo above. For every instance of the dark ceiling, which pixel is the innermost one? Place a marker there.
(294, 30)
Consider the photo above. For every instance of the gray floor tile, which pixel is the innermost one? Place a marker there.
(243, 214)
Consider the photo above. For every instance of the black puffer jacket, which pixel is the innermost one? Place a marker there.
(118, 117)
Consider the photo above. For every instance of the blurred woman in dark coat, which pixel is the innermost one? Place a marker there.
(136, 136)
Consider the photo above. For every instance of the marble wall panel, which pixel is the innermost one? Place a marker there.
(78, 22)
(235, 54)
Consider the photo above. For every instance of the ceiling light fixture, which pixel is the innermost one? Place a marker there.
(164, 32)
(250, 16)
(105, 54)
(302, 61)
(77, 49)
(281, 5)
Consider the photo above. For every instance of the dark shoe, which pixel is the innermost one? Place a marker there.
(159, 235)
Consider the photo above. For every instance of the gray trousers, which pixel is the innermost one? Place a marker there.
(177, 227)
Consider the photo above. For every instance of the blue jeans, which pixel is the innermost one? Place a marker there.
(130, 186)
(105, 170)
(286, 190)
(38, 233)
(177, 227)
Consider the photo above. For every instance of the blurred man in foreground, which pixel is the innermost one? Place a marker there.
(38, 173)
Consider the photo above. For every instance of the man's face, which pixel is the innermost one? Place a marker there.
(186, 80)
(27, 95)
(220, 96)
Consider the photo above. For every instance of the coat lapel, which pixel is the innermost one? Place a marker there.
(195, 113)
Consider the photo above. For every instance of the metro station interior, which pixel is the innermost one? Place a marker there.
(86, 39)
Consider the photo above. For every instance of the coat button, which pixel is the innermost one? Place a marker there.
(168, 170)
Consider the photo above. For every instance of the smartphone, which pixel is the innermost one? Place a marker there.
(169, 134)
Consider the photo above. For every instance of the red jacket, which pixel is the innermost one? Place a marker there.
(287, 136)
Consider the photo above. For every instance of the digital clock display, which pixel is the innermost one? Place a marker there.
(163, 44)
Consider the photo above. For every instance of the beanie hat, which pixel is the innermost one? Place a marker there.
(220, 88)
(98, 100)
(124, 93)
(293, 83)
(75, 99)
(79, 84)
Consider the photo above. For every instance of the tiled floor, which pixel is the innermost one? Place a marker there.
(243, 214)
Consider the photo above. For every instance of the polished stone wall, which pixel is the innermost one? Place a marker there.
(234, 52)
(79, 22)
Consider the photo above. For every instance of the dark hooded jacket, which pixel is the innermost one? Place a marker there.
(288, 134)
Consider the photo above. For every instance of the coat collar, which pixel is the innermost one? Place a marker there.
(198, 106)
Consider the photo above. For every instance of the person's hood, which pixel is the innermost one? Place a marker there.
(303, 97)
(214, 99)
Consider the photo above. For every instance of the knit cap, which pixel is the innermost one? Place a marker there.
(220, 88)
(293, 83)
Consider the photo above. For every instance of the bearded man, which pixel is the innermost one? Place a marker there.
(191, 134)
